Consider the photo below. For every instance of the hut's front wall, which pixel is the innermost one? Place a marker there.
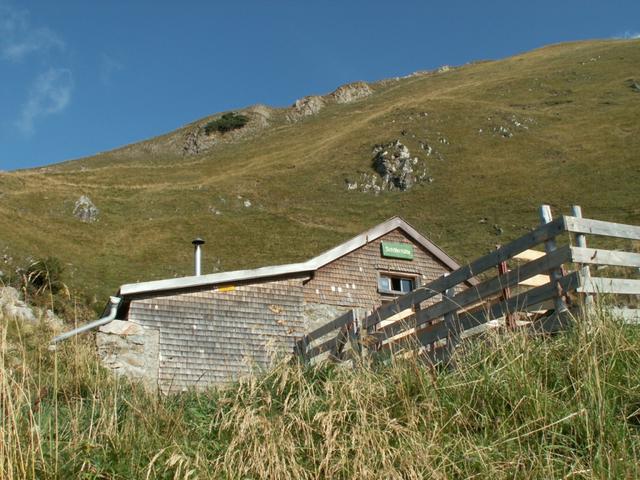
(352, 281)
(216, 335)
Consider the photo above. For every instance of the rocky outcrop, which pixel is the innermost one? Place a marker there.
(12, 306)
(351, 92)
(394, 164)
(395, 169)
(191, 142)
(305, 107)
(85, 211)
(311, 105)
(195, 141)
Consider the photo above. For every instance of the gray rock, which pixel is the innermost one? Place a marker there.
(122, 327)
(130, 350)
(503, 132)
(11, 306)
(53, 321)
(635, 86)
(305, 107)
(351, 92)
(85, 210)
(191, 144)
(396, 167)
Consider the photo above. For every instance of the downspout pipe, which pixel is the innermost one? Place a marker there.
(114, 302)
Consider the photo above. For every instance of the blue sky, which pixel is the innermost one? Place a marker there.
(81, 77)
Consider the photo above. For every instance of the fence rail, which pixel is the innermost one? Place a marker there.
(437, 314)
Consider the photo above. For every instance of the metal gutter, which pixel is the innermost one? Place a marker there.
(114, 302)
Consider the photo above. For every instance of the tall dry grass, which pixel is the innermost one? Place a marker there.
(515, 407)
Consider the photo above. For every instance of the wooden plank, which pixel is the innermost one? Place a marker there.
(622, 286)
(551, 324)
(531, 239)
(328, 346)
(535, 281)
(529, 255)
(398, 316)
(343, 336)
(599, 227)
(585, 271)
(521, 302)
(343, 320)
(540, 307)
(605, 257)
(549, 247)
(479, 292)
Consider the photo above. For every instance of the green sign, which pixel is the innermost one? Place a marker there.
(397, 250)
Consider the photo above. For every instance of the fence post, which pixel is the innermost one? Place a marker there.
(556, 273)
(503, 269)
(363, 332)
(451, 321)
(585, 272)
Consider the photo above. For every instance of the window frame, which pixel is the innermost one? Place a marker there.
(414, 278)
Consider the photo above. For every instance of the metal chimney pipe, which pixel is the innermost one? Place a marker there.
(197, 254)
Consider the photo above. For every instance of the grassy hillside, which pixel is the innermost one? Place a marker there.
(516, 407)
(570, 109)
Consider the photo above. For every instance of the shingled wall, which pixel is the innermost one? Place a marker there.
(352, 281)
(215, 335)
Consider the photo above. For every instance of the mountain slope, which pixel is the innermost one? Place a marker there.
(557, 125)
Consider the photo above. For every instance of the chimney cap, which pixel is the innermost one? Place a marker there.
(198, 241)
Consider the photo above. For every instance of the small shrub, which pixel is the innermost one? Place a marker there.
(45, 274)
(227, 122)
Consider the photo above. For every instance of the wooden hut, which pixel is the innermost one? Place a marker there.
(211, 329)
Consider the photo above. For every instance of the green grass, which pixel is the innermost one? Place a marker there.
(516, 407)
(580, 147)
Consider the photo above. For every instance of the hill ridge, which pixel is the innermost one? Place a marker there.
(498, 138)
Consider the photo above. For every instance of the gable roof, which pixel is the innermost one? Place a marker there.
(293, 268)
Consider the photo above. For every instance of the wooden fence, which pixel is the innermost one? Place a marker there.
(537, 292)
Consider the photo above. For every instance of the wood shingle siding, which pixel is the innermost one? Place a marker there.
(213, 337)
(353, 279)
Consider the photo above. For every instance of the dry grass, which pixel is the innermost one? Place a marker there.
(516, 407)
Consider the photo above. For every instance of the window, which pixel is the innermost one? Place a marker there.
(395, 284)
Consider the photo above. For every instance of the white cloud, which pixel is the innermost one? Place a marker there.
(49, 94)
(108, 67)
(18, 38)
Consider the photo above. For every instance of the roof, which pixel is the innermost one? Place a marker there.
(293, 268)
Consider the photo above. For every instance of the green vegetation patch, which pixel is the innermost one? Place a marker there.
(227, 122)
(514, 407)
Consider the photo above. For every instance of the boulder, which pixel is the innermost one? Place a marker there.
(85, 211)
(11, 306)
(395, 166)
